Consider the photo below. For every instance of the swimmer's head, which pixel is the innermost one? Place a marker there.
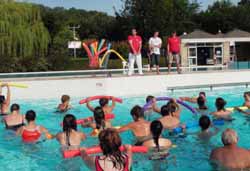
(156, 128)
(202, 94)
(99, 117)
(229, 137)
(65, 98)
(2, 99)
(220, 103)
(69, 123)
(149, 98)
(14, 107)
(103, 102)
(137, 112)
(168, 109)
(201, 102)
(204, 122)
(247, 96)
(110, 143)
(30, 116)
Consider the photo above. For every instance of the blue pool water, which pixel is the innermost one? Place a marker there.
(190, 153)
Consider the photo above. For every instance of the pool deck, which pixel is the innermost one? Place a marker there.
(120, 85)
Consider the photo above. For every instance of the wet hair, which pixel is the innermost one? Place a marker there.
(220, 103)
(99, 117)
(2, 99)
(137, 112)
(110, 142)
(204, 122)
(103, 102)
(69, 124)
(30, 115)
(65, 98)
(229, 137)
(156, 128)
(247, 93)
(202, 93)
(149, 98)
(168, 109)
(14, 107)
(201, 103)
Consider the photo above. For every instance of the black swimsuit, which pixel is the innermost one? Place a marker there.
(14, 127)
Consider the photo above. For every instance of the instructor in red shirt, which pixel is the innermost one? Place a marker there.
(135, 44)
(174, 52)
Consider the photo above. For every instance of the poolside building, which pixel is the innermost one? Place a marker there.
(200, 48)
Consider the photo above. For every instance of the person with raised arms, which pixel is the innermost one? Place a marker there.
(230, 156)
(70, 138)
(135, 44)
(4, 101)
(15, 120)
(104, 103)
(140, 127)
(113, 159)
(194, 99)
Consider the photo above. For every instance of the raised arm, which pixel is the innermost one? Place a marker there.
(155, 107)
(113, 103)
(124, 128)
(89, 106)
(189, 99)
(88, 160)
(8, 95)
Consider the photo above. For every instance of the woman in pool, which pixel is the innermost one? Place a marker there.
(221, 112)
(201, 104)
(4, 102)
(113, 159)
(156, 129)
(70, 138)
(247, 99)
(100, 122)
(64, 106)
(15, 120)
(104, 103)
(205, 125)
(32, 132)
(170, 119)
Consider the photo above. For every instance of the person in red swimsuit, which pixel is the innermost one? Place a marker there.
(32, 132)
(113, 159)
(174, 51)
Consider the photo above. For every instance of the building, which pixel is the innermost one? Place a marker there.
(200, 48)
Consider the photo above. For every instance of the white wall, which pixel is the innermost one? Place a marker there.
(124, 86)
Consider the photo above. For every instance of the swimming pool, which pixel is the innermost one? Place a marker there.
(190, 153)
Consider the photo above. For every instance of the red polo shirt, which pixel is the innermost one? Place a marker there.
(136, 41)
(174, 44)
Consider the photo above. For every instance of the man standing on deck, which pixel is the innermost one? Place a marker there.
(173, 49)
(135, 44)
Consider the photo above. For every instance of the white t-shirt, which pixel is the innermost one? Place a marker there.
(155, 41)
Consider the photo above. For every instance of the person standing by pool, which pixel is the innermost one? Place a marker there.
(135, 44)
(15, 120)
(140, 127)
(173, 49)
(32, 132)
(231, 156)
(113, 159)
(70, 138)
(4, 102)
(155, 43)
(104, 103)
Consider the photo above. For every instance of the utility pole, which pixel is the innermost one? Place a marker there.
(73, 28)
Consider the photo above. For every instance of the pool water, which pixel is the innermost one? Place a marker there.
(189, 154)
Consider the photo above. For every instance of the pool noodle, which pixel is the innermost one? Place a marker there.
(16, 85)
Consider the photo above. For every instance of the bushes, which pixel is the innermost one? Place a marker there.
(121, 47)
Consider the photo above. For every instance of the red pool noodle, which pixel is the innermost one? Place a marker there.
(99, 97)
(97, 149)
(91, 119)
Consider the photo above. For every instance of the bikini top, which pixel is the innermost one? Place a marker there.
(31, 135)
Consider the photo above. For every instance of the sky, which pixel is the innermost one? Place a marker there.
(99, 5)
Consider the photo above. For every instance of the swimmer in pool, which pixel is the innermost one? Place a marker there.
(112, 159)
(100, 122)
(170, 119)
(247, 99)
(32, 132)
(201, 104)
(65, 105)
(156, 141)
(70, 138)
(14, 120)
(205, 124)
(140, 127)
(221, 112)
(194, 99)
(104, 103)
(4, 101)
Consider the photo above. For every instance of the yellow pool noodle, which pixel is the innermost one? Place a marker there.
(233, 108)
(16, 85)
